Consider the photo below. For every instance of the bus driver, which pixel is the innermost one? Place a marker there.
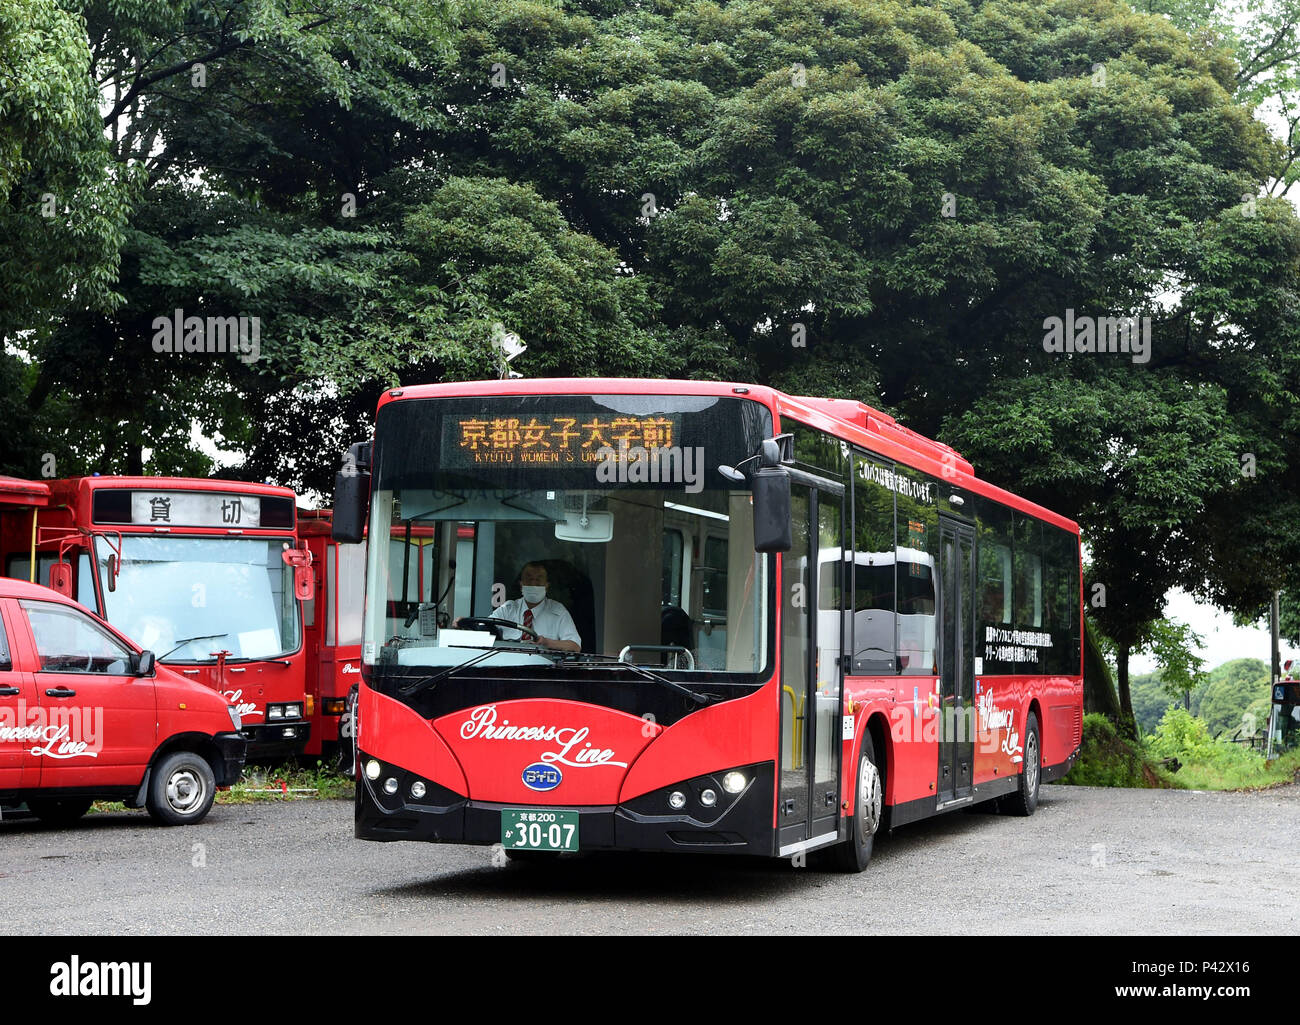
(546, 616)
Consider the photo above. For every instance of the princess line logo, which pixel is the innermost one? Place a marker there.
(71, 732)
(572, 746)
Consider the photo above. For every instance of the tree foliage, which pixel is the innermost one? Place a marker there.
(879, 200)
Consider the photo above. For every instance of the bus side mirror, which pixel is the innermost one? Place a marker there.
(352, 496)
(771, 489)
(61, 578)
(304, 581)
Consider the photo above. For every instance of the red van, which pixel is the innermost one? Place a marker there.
(86, 715)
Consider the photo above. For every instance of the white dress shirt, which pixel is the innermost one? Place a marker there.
(550, 619)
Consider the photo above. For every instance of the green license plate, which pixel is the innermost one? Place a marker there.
(539, 829)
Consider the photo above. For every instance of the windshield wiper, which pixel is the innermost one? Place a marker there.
(428, 681)
(188, 640)
(699, 699)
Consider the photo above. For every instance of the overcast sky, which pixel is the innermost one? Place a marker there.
(1223, 641)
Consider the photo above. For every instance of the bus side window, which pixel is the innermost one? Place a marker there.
(917, 546)
(1061, 559)
(1028, 572)
(873, 631)
(994, 542)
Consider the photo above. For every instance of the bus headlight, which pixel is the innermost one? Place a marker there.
(293, 711)
(274, 712)
(390, 785)
(676, 800)
(418, 790)
(733, 782)
(708, 798)
(373, 769)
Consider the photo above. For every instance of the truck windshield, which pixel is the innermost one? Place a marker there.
(599, 522)
(188, 597)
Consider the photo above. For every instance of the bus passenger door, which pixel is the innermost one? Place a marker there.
(957, 644)
(812, 624)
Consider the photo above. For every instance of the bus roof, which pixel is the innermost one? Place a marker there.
(26, 493)
(855, 422)
(70, 486)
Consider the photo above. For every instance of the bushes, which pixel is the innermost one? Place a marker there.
(1108, 760)
(1181, 735)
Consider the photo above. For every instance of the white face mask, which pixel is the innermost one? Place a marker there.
(533, 594)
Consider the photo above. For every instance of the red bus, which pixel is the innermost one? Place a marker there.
(331, 630)
(332, 621)
(207, 574)
(760, 623)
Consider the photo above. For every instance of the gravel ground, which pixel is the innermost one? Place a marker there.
(1090, 861)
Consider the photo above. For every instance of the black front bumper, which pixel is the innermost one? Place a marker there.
(743, 826)
(233, 749)
(267, 740)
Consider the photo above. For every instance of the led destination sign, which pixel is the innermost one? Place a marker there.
(554, 440)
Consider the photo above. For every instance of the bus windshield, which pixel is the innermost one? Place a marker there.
(557, 511)
(185, 598)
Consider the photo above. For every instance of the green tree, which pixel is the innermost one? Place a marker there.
(177, 85)
(883, 200)
(63, 200)
(1228, 694)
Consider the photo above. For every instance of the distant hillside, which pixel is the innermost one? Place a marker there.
(1231, 691)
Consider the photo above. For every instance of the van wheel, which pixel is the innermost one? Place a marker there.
(61, 811)
(1025, 799)
(868, 809)
(181, 789)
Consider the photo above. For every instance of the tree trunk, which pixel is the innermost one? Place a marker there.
(1125, 697)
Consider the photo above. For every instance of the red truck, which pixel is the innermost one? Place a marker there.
(86, 715)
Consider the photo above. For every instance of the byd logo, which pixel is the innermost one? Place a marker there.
(542, 777)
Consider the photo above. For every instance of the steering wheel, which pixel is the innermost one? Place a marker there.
(495, 626)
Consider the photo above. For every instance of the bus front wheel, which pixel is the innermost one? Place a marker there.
(868, 808)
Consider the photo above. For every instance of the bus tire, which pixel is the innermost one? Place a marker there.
(181, 789)
(1025, 799)
(59, 811)
(854, 853)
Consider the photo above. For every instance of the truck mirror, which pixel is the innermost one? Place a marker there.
(143, 663)
(60, 578)
(304, 580)
(771, 490)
